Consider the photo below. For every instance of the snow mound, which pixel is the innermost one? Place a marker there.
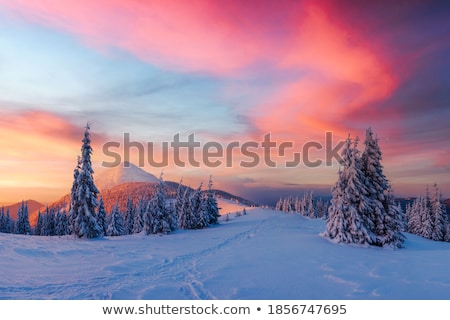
(124, 173)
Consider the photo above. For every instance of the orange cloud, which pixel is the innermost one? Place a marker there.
(39, 152)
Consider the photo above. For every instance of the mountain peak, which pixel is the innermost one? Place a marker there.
(123, 173)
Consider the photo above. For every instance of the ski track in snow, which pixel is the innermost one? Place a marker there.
(180, 270)
(183, 270)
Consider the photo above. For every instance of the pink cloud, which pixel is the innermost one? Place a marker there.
(339, 77)
(205, 36)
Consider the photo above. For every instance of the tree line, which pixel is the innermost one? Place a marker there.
(427, 216)
(87, 218)
(363, 208)
(21, 225)
(306, 206)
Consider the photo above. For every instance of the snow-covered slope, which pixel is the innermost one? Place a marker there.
(262, 255)
(229, 206)
(111, 177)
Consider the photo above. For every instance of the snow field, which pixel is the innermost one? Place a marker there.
(263, 255)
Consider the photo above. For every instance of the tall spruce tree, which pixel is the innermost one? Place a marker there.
(138, 221)
(414, 218)
(73, 207)
(101, 217)
(377, 187)
(8, 223)
(159, 218)
(61, 223)
(197, 208)
(363, 209)
(179, 200)
(38, 226)
(394, 223)
(2, 219)
(129, 216)
(85, 201)
(338, 223)
(115, 224)
(186, 220)
(438, 215)
(426, 219)
(212, 208)
(348, 221)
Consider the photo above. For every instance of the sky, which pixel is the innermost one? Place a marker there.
(225, 72)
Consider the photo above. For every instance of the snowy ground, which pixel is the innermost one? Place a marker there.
(263, 255)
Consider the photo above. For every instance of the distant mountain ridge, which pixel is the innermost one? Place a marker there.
(127, 180)
(33, 206)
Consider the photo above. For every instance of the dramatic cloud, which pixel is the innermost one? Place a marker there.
(193, 36)
(234, 70)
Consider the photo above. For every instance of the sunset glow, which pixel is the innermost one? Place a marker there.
(228, 71)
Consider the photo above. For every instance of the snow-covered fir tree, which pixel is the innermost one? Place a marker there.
(138, 221)
(23, 222)
(179, 200)
(414, 219)
(297, 204)
(129, 216)
(56, 218)
(212, 208)
(363, 209)
(2, 217)
(159, 218)
(447, 231)
(279, 205)
(312, 212)
(73, 211)
(198, 209)
(48, 227)
(172, 216)
(61, 223)
(186, 219)
(347, 222)
(286, 205)
(438, 215)
(426, 219)
(322, 209)
(381, 211)
(376, 184)
(100, 217)
(338, 223)
(85, 202)
(39, 223)
(7, 223)
(427, 216)
(115, 224)
(393, 223)
(2, 220)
